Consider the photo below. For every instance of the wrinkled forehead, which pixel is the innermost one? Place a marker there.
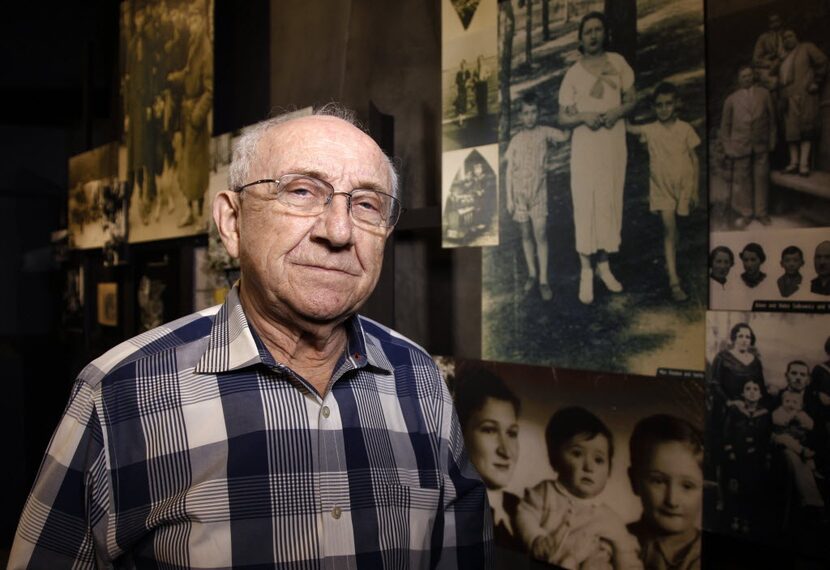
(324, 146)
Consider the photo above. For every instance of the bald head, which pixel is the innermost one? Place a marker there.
(247, 149)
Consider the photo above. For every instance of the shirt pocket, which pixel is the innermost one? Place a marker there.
(406, 517)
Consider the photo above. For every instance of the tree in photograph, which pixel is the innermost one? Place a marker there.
(507, 29)
(622, 20)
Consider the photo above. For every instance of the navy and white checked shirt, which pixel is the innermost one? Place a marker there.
(190, 447)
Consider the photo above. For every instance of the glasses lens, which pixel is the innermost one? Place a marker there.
(376, 208)
(303, 193)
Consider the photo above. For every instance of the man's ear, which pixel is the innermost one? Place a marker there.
(226, 209)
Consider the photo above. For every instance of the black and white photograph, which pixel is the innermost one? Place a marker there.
(767, 413)
(578, 465)
(603, 267)
(107, 303)
(167, 92)
(98, 200)
(72, 308)
(470, 213)
(782, 265)
(769, 132)
(469, 75)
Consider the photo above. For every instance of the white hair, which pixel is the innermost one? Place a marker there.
(245, 147)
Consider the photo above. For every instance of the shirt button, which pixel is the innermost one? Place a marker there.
(336, 512)
(326, 412)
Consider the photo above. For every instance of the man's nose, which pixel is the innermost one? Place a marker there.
(335, 222)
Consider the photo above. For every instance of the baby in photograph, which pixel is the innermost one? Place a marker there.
(563, 521)
(666, 473)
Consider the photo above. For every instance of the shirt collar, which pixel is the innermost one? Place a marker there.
(233, 344)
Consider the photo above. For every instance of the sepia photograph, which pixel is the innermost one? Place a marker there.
(769, 130)
(768, 428)
(98, 201)
(167, 95)
(780, 265)
(577, 464)
(107, 298)
(605, 270)
(470, 213)
(469, 74)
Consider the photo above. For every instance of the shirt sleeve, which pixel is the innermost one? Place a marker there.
(68, 501)
(463, 535)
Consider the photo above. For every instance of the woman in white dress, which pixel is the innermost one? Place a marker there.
(595, 96)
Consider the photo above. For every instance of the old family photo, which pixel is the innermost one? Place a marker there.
(603, 236)
(585, 470)
(780, 265)
(769, 132)
(167, 96)
(768, 428)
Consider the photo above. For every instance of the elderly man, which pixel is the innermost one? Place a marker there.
(821, 260)
(280, 429)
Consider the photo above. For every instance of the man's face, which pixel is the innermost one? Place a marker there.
(746, 77)
(791, 263)
(774, 22)
(798, 376)
(790, 39)
(320, 268)
(822, 259)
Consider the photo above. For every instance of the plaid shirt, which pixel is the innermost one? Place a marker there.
(189, 446)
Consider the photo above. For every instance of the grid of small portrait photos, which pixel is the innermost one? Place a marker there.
(470, 105)
(768, 328)
(584, 469)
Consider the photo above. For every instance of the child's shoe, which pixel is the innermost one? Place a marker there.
(586, 286)
(530, 283)
(545, 292)
(604, 272)
(677, 293)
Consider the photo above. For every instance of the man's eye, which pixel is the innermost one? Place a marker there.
(368, 202)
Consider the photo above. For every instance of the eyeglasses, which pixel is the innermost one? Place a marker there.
(310, 195)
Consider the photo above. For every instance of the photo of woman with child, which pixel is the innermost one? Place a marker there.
(621, 485)
(600, 163)
(767, 449)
